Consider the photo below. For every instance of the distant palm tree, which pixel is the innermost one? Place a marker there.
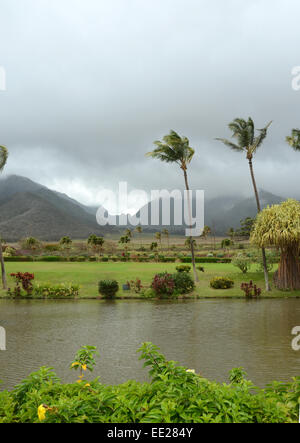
(248, 142)
(165, 232)
(128, 233)
(158, 237)
(294, 139)
(176, 149)
(3, 160)
(139, 230)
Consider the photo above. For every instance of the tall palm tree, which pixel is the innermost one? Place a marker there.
(248, 142)
(3, 160)
(176, 149)
(294, 139)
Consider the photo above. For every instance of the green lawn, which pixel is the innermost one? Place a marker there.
(87, 276)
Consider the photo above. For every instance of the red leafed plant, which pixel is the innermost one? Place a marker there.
(23, 281)
(163, 284)
(251, 290)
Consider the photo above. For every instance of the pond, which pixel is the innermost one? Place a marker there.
(210, 336)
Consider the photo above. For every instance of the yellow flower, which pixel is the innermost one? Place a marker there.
(79, 381)
(87, 385)
(84, 367)
(192, 371)
(42, 412)
(75, 364)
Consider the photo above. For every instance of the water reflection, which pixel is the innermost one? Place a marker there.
(211, 336)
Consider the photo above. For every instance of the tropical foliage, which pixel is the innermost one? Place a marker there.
(279, 225)
(175, 394)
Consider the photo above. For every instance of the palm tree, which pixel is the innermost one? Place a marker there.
(165, 232)
(139, 230)
(176, 149)
(294, 139)
(158, 237)
(3, 160)
(248, 142)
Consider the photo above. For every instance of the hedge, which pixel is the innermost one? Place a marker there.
(205, 260)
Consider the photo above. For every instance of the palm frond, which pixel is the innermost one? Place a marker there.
(3, 157)
(260, 138)
(230, 144)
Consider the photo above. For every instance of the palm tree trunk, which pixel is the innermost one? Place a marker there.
(190, 216)
(3, 273)
(259, 210)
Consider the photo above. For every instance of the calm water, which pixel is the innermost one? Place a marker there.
(211, 336)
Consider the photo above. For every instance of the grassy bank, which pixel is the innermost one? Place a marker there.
(87, 276)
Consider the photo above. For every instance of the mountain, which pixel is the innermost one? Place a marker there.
(220, 213)
(30, 209)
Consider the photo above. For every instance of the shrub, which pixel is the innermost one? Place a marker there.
(184, 283)
(221, 283)
(135, 285)
(92, 259)
(104, 259)
(163, 284)
(148, 293)
(174, 394)
(251, 290)
(77, 259)
(47, 290)
(52, 247)
(205, 260)
(19, 258)
(23, 283)
(200, 268)
(9, 252)
(51, 258)
(243, 262)
(183, 268)
(115, 258)
(108, 288)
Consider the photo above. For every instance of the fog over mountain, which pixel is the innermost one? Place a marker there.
(30, 209)
(90, 84)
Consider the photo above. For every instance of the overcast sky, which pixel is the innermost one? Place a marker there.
(90, 84)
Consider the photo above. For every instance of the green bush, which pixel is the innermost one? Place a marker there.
(184, 283)
(19, 258)
(104, 259)
(78, 259)
(205, 260)
(221, 283)
(174, 394)
(108, 288)
(51, 258)
(114, 258)
(183, 268)
(147, 293)
(56, 291)
(52, 247)
(242, 262)
(92, 259)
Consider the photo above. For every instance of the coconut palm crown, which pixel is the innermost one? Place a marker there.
(173, 149)
(294, 139)
(244, 133)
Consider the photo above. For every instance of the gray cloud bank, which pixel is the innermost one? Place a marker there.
(92, 83)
